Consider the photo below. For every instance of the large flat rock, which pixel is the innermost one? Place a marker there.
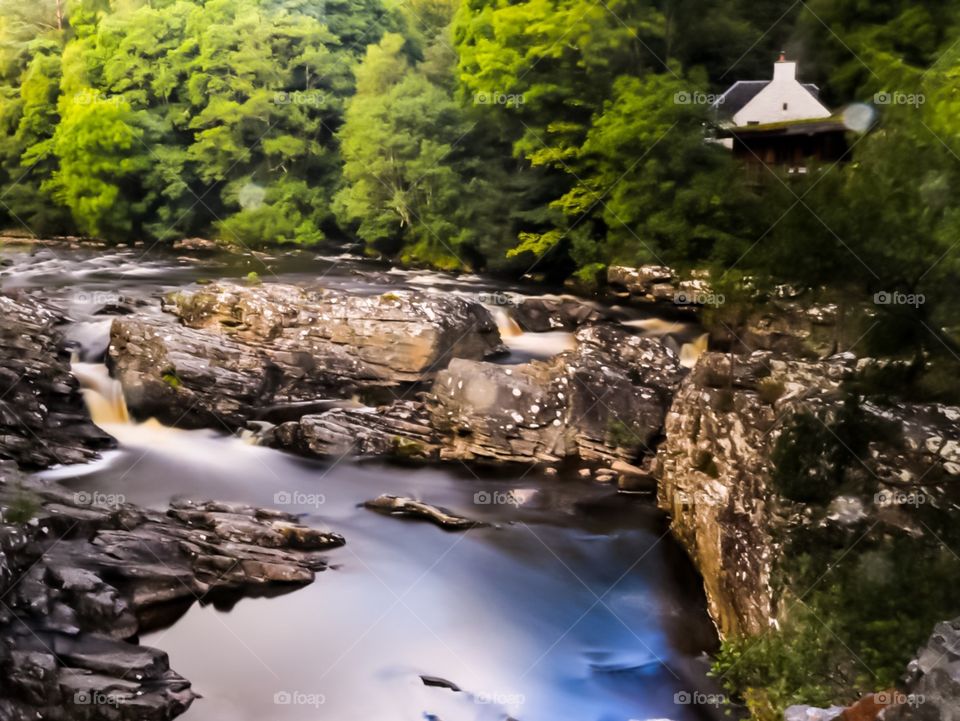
(224, 353)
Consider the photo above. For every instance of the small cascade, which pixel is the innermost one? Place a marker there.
(658, 326)
(691, 352)
(108, 409)
(103, 394)
(526, 346)
(509, 328)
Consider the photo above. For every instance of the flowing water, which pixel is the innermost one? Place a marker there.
(574, 605)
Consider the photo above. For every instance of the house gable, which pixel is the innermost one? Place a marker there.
(783, 98)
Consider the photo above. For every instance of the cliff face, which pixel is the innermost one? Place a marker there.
(715, 470)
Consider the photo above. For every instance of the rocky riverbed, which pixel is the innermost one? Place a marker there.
(380, 368)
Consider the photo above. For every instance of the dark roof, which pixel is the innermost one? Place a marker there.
(811, 126)
(742, 92)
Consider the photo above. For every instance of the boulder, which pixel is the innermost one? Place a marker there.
(43, 420)
(401, 336)
(639, 281)
(401, 429)
(547, 313)
(224, 353)
(662, 285)
(605, 400)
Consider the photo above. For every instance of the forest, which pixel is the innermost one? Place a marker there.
(516, 137)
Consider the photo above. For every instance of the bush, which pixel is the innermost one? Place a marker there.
(814, 458)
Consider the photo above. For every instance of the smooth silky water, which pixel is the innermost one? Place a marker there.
(575, 605)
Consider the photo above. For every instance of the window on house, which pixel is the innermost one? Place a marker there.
(785, 106)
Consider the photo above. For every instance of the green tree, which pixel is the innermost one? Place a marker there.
(398, 144)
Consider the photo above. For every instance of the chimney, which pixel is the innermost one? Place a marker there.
(783, 70)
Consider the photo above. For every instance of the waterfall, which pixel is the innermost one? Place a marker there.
(691, 352)
(103, 394)
(509, 328)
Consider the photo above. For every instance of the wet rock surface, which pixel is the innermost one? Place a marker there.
(715, 467)
(605, 400)
(401, 430)
(86, 575)
(412, 508)
(42, 416)
(542, 314)
(223, 352)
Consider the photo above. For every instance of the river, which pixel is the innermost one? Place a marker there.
(574, 605)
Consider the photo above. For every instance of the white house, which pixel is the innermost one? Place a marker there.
(779, 122)
(758, 102)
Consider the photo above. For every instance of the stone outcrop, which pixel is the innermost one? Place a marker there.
(43, 420)
(82, 579)
(412, 508)
(222, 353)
(401, 430)
(803, 323)
(605, 400)
(715, 468)
(932, 688)
(547, 313)
(402, 336)
(660, 284)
